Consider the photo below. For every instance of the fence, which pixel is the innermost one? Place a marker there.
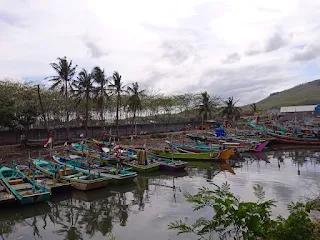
(60, 134)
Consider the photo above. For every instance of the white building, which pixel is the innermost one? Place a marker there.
(305, 110)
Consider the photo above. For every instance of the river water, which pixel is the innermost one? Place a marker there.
(144, 209)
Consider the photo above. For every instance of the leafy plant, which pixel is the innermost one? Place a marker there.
(234, 219)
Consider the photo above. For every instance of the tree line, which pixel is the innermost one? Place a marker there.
(92, 98)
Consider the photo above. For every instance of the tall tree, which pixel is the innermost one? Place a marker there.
(63, 80)
(101, 90)
(83, 90)
(206, 106)
(230, 111)
(134, 101)
(117, 87)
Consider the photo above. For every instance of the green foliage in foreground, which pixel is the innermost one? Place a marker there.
(234, 219)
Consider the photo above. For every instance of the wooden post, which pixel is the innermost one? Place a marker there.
(55, 175)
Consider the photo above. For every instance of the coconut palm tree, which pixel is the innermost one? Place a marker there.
(101, 90)
(63, 80)
(134, 101)
(230, 111)
(205, 108)
(83, 90)
(254, 108)
(117, 87)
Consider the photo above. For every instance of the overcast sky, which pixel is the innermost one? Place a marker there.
(246, 49)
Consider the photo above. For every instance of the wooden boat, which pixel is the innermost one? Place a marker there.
(149, 167)
(293, 140)
(281, 137)
(187, 156)
(98, 164)
(44, 180)
(115, 175)
(6, 197)
(142, 163)
(22, 187)
(83, 151)
(169, 164)
(79, 179)
(207, 148)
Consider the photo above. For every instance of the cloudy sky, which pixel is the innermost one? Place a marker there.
(246, 49)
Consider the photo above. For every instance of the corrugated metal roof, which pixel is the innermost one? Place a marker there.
(306, 108)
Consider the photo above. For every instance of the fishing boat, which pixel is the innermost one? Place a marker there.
(207, 148)
(283, 136)
(79, 179)
(6, 197)
(169, 164)
(142, 163)
(151, 166)
(43, 180)
(278, 138)
(22, 187)
(190, 156)
(115, 175)
(82, 150)
(98, 164)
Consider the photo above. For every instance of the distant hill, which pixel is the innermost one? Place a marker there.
(303, 94)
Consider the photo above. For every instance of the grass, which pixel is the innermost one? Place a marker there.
(303, 94)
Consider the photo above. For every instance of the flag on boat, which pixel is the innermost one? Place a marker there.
(118, 154)
(81, 135)
(115, 147)
(49, 140)
(132, 140)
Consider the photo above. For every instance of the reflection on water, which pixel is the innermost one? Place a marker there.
(143, 209)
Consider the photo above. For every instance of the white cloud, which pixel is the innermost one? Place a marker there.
(173, 45)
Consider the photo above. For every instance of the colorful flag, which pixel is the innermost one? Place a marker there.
(81, 135)
(115, 147)
(49, 140)
(132, 140)
(118, 154)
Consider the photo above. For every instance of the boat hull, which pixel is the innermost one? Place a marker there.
(77, 183)
(171, 168)
(224, 155)
(291, 140)
(143, 168)
(24, 189)
(113, 179)
(85, 187)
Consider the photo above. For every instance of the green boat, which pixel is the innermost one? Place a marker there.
(116, 176)
(143, 163)
(191, 156)
(22, 187)
(79, 179)
(43, 180)
(150, 167)
(82, 150)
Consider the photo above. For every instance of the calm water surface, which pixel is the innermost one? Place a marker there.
(144, 209)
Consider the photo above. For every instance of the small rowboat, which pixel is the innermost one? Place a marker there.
(79, 179)
(116, 176)
(149, 167)
(22, 187)
(43, 180)
(169, 164)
